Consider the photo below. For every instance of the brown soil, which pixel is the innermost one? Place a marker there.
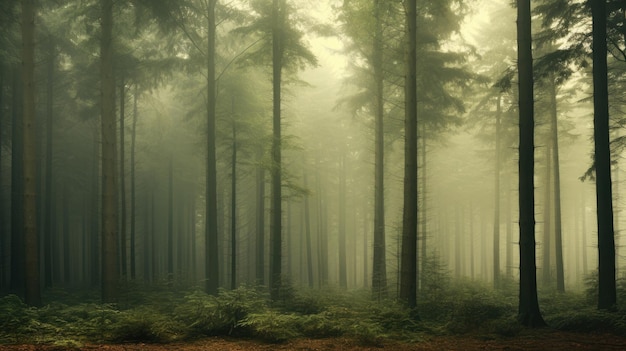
(538, 340)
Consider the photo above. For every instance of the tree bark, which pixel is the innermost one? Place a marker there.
(110, 254)
(276, 201)
(496, 214)
(133, 190)
(379, 270)
(233, 212)
(546, 274)
(558, 242)
(32, 293)
(48, 229)
(307, 232)
(260, 224)
(607, 298)
(408, 265)
(211, 232)
(123, 180)
(17, 188)
(343, 276)
(529, 313)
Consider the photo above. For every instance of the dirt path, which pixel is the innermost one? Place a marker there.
(544, 340)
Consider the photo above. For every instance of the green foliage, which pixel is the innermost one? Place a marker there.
(272, 326)
(160, 316)
(204, 314)
(16, 319)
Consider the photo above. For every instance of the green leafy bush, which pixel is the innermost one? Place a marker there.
(272, 326)
(203, 314)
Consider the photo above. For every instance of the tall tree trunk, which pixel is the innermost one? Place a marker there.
(133, 190)
(233, 212)
(322, 227)
(496, 214)
(67, 252)
(584, 233)
(547, 222)
(48, 229)
(123, 180)
(260, 221)
(343, 276)
(307, 232)
(607, 298)
(424, 206)
(365, 244)
(170, 221)
(558, 244)
(211, 232)
(408, 266)
(4, 252)
(509, 233)
(95, 236)
(17, 188)
(32, 293)
(471, 237)
(276, 213)
(379, 271)
(529, 313)
(110, 254)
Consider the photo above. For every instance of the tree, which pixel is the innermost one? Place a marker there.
(211, 233)
(281, 43)
(529, 313)
(604, 198)
(278, 51)
(379, 270)
(110, 256)
(32, 293)
(408, 265)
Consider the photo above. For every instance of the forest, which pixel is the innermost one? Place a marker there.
(333, 174)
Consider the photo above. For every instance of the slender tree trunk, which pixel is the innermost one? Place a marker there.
(322, 229)
(17, 188)
(607, 298)
(458, 242)
(170, 221)
(307, 231)
(471, 237)
(509, 234)
(424, 206)
(32, 291)
(343, 276)
(233, 212)
(110, 254)
(67, 252)
(48, 229)
(133, 190)
(276, 213)
(123, 180)
(211, 232)
(379, 271)
(408, 266)
(558, 243)
(496, 214)
(547, 222)
(96, 238)
(584, 234)
(366, 230)
(260, 224)
(529, 313)
(4, 252)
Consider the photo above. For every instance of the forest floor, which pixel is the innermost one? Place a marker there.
(530, 340)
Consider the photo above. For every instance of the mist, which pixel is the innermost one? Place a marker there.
(286, 170)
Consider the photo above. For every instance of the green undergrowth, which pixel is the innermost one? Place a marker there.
(166, 313)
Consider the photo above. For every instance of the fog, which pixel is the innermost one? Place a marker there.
(192, 206)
